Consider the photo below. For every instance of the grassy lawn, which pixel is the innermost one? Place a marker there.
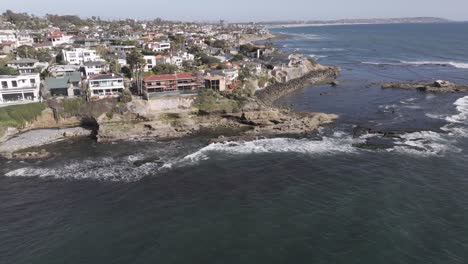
(19, 115)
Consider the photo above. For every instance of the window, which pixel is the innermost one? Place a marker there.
(14, 84)
(33, 81)
(4, 85)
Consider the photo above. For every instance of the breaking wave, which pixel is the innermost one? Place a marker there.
(338, 143)
(460, 65)
(462, 108)
(425, 143)
(105, 169)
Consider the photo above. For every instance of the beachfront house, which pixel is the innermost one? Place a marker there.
(16, 89)
(91, 68)
(103, 86)
(68, 85)
(216, 83)
(169, 84)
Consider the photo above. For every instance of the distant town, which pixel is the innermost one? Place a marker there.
(65, 56)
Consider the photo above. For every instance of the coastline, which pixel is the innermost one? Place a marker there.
(256, 118)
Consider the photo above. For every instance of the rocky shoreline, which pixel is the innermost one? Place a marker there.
(142, 120)
(11, 148)
(274, 92)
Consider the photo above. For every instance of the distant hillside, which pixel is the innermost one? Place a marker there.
(361, 21)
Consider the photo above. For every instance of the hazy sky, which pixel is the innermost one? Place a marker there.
(244, 10)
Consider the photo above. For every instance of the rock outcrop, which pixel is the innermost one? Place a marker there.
(435, 87)
(255, 119)
(319, 74)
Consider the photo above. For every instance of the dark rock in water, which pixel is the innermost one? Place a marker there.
(40, 155)
(439, 86)
(334, 83)
(142, 162)
(392, 134)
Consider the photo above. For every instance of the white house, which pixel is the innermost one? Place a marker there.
(8, 36)
(58, 38)
(62, 70)
(158, 46)
(79, 56)
(94, 67)
(24, 38)
(103, 86)
(19, 88)
(24, 66)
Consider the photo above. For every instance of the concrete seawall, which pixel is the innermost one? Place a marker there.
(273, 92)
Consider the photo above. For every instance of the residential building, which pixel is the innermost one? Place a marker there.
(79, 56)
(8, 36)
(121, 50)
(19, 88)
(172, 84)
(7, 47)
(217, 83)
(68, 85)
(62, 70)
(24, 66)
(58, 38)
(24, 38)
(95, 67)
(102, 86)
(158, 46)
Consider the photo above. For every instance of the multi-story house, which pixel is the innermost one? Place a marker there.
(24, 38)
(24, 66)
(158, 46)
(80, 56)
(68, 85)
(103, 86)
(8, 36)
(121, 50)
(19, 88)
(58, 38)
(173, 84)
(91, 68)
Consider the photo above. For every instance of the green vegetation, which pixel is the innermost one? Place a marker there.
(209, 101)
(19, 115)
(8, 71)
(165, 69)
(262, 81)
(78, 107)
(238, 57)
(206, 59)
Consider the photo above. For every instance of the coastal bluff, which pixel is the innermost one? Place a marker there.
(317, 73)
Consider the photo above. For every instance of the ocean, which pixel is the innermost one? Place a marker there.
(321, 199)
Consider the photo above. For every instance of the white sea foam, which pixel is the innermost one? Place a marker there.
(333, 49)
(106, 169)
(425, 143)
(460, 65)
(462, 108)
(338, 143)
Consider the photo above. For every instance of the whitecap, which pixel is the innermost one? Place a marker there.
(460, 65)
(425, 143)
(462, 108)
(338, 143)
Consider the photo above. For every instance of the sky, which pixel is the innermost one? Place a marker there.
(243, 10)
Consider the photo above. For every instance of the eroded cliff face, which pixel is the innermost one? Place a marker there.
(254, 119)
(46, 120)
(316, 73)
